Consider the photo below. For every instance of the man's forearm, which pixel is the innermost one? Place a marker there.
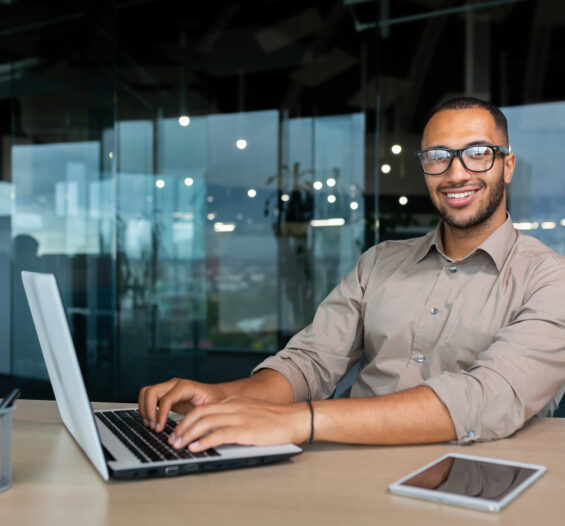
(266, 384)
(410, 417)
(413, 416)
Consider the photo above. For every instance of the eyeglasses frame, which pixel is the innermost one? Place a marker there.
(452, 153)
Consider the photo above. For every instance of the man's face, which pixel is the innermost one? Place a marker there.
(467, 199)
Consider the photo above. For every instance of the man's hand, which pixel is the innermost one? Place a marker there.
(245, 421)
(260, 411)
(182, 396)
(177, 395)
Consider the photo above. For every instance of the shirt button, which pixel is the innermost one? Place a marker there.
(433, 310)
(420, 358)
(453, 269)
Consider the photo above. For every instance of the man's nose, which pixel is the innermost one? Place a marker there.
(457, 170)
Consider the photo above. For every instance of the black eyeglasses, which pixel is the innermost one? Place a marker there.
(478, 158)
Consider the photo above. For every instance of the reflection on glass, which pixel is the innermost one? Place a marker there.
(215, 248)
(62, 223)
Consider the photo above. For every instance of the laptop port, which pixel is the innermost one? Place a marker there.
(171, 470)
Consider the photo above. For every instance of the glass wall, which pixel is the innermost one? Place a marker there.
(229, 231)
(199, 179)
(57, 85)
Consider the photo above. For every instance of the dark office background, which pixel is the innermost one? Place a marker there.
(198, 176)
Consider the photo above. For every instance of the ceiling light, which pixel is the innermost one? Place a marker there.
(224, 227)
(334, 221)
(526, 225)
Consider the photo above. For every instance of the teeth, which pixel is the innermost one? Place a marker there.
(460, 196)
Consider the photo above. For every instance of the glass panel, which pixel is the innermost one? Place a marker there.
(537, 190)
(208, 243)
(340, 166)
(52, 231)
(242, 157)
(7, 197)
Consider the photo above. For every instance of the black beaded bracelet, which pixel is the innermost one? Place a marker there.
(309, 402)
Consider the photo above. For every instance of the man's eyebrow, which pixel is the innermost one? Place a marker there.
(481, 142)
(478, 143)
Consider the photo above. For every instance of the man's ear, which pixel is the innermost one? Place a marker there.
(509, 164)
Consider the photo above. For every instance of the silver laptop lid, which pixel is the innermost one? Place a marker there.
(62, 365)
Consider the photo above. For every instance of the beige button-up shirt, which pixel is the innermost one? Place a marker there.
(486, 333)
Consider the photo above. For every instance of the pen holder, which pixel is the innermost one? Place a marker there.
(5, 448)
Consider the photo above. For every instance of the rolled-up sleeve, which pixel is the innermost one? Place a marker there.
(519, 373)
(316, 358)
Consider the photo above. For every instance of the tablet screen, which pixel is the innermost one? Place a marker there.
(470, 477)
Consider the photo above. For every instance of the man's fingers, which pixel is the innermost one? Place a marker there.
(199, 412)
(224, 435)
(166, 402)
(193, 427)
(149, 397)
(182, 393)
(141, 402)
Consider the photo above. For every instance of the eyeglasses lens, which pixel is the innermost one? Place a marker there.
(435, 161)
(475, 158)
(478, 158)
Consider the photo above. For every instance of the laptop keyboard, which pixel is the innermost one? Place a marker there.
(145, 444)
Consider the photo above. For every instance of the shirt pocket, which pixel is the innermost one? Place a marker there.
(462, 347)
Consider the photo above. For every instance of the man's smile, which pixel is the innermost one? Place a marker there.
(459, 197)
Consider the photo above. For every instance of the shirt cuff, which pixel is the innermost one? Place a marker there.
(454, 395)
(291, 372)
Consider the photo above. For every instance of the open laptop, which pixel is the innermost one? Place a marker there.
(116, 441)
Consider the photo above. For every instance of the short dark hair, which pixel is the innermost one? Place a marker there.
(466, 103)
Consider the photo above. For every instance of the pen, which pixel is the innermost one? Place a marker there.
(7, 402)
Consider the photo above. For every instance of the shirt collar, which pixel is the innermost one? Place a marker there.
(500, 242)
(430, 241)
(497, 245)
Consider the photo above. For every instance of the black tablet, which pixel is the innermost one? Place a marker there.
(487, 484)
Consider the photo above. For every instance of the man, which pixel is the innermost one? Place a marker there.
(462, 331)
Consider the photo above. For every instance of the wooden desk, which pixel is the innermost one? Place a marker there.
(55, 484)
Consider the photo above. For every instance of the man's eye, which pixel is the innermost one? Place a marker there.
(478, 151)
(438, 155)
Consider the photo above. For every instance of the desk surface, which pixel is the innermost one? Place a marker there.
(54, 483)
